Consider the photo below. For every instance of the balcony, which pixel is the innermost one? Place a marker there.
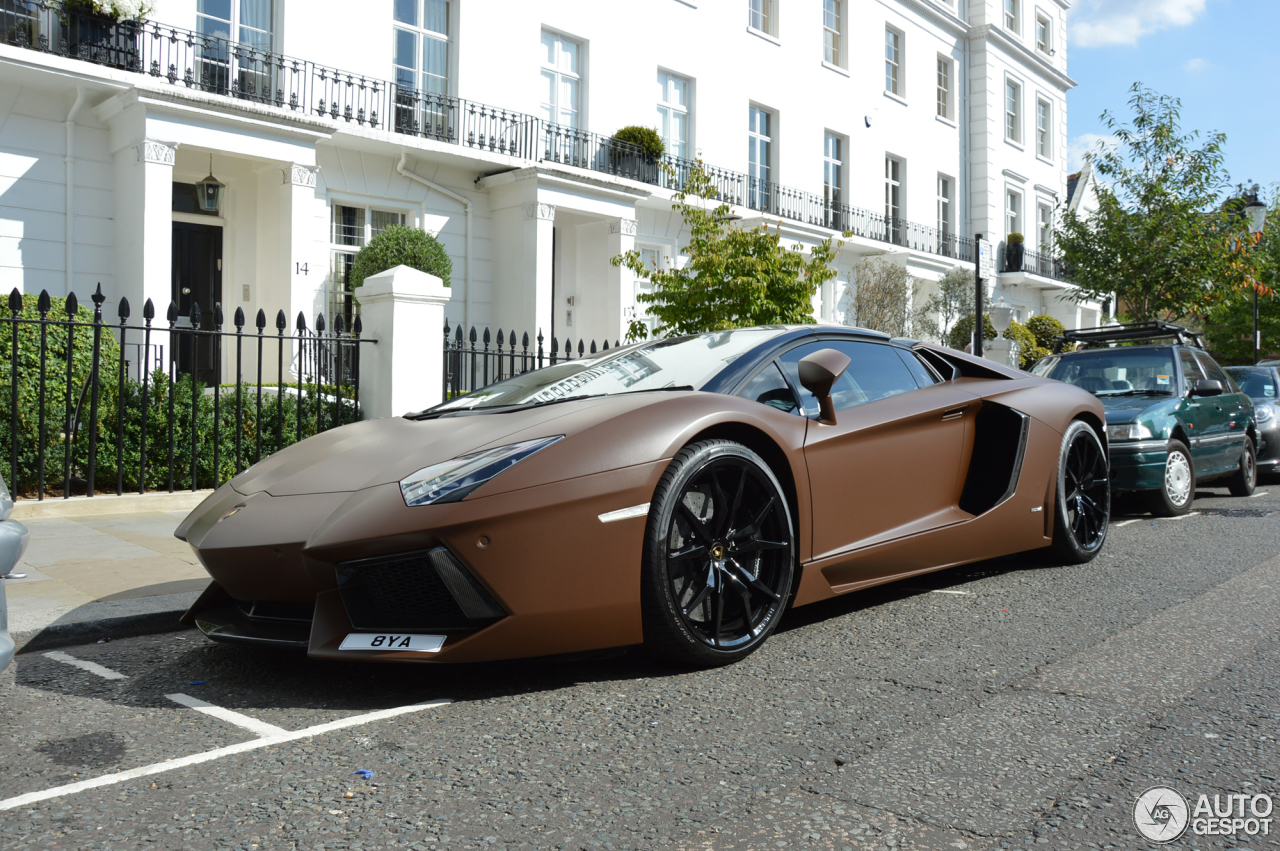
(1041, 264)
(187, 59)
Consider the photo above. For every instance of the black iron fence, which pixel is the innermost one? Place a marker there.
(93, 405)
(478, 359)
(206, 63)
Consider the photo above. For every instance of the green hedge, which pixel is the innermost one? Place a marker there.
(399, 245)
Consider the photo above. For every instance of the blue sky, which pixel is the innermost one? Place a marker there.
(1221, 57)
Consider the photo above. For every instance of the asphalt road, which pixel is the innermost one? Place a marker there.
(1007, 704)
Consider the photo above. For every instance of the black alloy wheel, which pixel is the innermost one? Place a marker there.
(719, 555)
(1083, 509)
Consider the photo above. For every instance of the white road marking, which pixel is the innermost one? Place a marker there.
(946, 591)
(217, 753)
(92, 667)
(253, 725)
(1127, 522)
(1258, 494)
(1182, 516)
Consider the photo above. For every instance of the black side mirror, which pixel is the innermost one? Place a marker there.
(818, 373)
(1205, 387)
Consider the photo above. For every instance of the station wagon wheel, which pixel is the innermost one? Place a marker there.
(1083, 504)
(1244, 480)
(1178, 487)
(719, 555)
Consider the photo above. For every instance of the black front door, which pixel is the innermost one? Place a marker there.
(197, 279)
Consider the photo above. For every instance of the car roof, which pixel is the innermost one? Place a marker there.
(1113, 349)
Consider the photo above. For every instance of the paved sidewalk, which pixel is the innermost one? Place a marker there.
(100, 571)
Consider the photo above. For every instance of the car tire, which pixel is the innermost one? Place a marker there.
(1082, 505)
(719, 556)
(1175, 496)
(1244, 481)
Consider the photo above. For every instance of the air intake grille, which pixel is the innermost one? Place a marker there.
(426, 590)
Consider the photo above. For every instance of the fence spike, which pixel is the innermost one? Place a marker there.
(123, 310)
(319, 323)
(301, 324)
(281, 321)
(446, 327)
(616, 344)
(540, 337)
(581, 348)
(486, 338)
(524, 341)
(500, 338)
(473, 335)
(511, 338)
(458, 335)
(217, 316)
(359, 326)
(97, 298)
(43, 303)
(15, 300)
(195, 313)
(238, 319)
(172, 313)
(72, 306)
(568, 347)
(606, 345)
(555, 345)
(593, 346)
(337, 323)
(261, 320)
(148, 310)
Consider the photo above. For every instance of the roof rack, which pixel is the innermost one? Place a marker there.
(1132, 332)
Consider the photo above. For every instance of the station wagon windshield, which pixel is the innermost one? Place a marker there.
(675, 363)
(1119, 371)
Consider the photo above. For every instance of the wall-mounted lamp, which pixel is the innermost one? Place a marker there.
(209, 191)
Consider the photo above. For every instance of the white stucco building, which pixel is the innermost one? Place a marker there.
(914, 123)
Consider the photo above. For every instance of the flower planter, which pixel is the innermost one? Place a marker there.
(104, 41)
(1013, 252)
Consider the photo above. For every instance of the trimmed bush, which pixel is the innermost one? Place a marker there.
(1029, 351)
(962, 333)
(1014, 239)
(1046, 330)
(399, 245)
(644, 138)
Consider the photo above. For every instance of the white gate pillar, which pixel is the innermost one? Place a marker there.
(402, 309)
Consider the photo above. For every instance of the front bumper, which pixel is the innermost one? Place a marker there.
(1269, 450)
(561, 580)
(1138, 464)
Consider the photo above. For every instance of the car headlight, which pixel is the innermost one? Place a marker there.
(1128, 431)
(1264, 413)
(450, 481)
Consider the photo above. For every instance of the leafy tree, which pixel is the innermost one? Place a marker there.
(1160, 239)
(1229, 324)
(882, 298)
(735, 278)
(953, 300)
(399, 245)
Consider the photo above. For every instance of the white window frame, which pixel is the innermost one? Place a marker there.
(946, 85)
(894, 47)
(558, 74)
(1013, 16)
(1044, 227)
(1044, 24)
(762, 16)
(352, 244)
(761, 169)
(834, 21)
(1044, 128)
(1013, 110)
(669, 109)
(895, 196)
(833, 165)
(252, 71)
(441, 84)
(1013, 204)
(946, 204)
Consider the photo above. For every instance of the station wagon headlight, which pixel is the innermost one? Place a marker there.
(1264, 413)
(1128, 431)
(450, 481)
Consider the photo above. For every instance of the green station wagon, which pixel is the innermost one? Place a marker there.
(1174, 418)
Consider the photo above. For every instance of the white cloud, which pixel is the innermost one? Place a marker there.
(1084, 143)
(1101, 23)
(1196, 64)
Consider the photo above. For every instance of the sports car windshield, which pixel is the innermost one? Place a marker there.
(1117, 371)
(677, 363)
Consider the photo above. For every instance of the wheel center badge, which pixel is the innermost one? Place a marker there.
(717, 552)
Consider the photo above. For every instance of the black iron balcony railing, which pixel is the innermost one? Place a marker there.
(1035, 263)
(244, 72)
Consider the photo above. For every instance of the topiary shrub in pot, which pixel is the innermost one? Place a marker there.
(399, 245)
(636, 153)
(1013, 249)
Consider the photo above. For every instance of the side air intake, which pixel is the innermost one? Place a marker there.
(998, 446)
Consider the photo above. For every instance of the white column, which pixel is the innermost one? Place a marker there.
(305, 267)
(144, 227)
(535, 286)
(402, 309)
(620, 289)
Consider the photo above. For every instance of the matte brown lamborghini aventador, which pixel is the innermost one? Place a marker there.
(680, 493)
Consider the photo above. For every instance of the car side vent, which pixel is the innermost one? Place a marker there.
(1000, 439)
(424, 590)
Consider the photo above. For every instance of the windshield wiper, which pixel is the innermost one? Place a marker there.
(524, 406)
(1140, 393)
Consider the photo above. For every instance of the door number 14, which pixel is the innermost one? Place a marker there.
(300, 268)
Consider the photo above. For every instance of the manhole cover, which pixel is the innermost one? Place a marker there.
(1236, 512)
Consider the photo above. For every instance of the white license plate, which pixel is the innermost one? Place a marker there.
(392, 641)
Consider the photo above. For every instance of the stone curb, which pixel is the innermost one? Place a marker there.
(87, 632)
(130, 503)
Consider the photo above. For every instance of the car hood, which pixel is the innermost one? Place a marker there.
(1127, 409)
(380, 451)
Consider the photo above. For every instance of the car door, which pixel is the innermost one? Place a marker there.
(1231, 415)
(890, 465)
(1197, 414)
